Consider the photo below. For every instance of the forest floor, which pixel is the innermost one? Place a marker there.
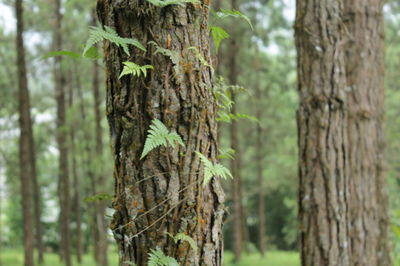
(14, 257)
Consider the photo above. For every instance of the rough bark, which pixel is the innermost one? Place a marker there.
(163, 192)
(260, 177)
(24, 155)
(342, 197)
(62, 137)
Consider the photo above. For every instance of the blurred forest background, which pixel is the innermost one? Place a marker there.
(265, 66)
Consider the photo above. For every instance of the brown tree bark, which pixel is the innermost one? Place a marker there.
(62, 137)
(163, 192)
(260, 177)
(342, 197)
(101, 223)
(76, 208)
(24, 146)
(238, 215)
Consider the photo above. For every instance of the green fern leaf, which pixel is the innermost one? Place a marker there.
(61, 53)
(158, 135)
(211, 170)
(173, 56)
(97, 34)
(164, 3)
(184, 237)
(158, 258)
(223, 13)
(226, 154)
(134, 69)
(218, 34)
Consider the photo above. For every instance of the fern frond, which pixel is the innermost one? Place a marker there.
(134, 69)
(218, 34)
(184, 237)
(98, 34)
(226, 154)
(158, 258)
(223, 13)
(174, 56)
(211, 170)
(200, 57)
(158, 135)
(164, 3)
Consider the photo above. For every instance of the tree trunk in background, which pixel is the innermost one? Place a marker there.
(76, 208)
(62, 138)
(89, 168)
(163, 192)
(24, 154)
(235, 164)
(342, 197)
(260, 177)
(101, 222)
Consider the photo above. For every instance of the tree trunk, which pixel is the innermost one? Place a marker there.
(62, 140)
(24, 146)
(342, 198)
(163, 192)
(101, 223)
(260, 177)
(76, 208)
(89, 169)
(235, 164)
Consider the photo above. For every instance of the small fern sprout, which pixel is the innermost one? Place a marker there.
(134, 69)
(158, 135)
(158, 258)
(184, 237)
(211, 170)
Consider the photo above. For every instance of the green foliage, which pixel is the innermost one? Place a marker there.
(200, 57)
(99, 196)
(158, 258)
(97, 34)
(158, 135)
(223, 13)
(211, 170)
(164, 3)
(218, 34)
(226, 154)
(184, 237)
(134, 69)
(173, 56)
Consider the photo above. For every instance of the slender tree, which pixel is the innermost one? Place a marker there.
(342, 197)
(24, 154)
(163, 192)
(76, 198)
(238, 217)
(62, 136)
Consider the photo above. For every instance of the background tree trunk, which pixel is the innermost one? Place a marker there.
(76, 208)
(342, 197)
(238, 216)
(24, 146)
(101, 222)
(163, 192)
(260, 177)
(62, 137)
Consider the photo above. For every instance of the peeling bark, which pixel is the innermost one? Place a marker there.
(343, 200)
(163, 192)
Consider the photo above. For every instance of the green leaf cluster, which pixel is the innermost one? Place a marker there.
(98, 34)
(134, 69)
(211, 170)
(184, 237)
(158, 135)
(158, 258)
